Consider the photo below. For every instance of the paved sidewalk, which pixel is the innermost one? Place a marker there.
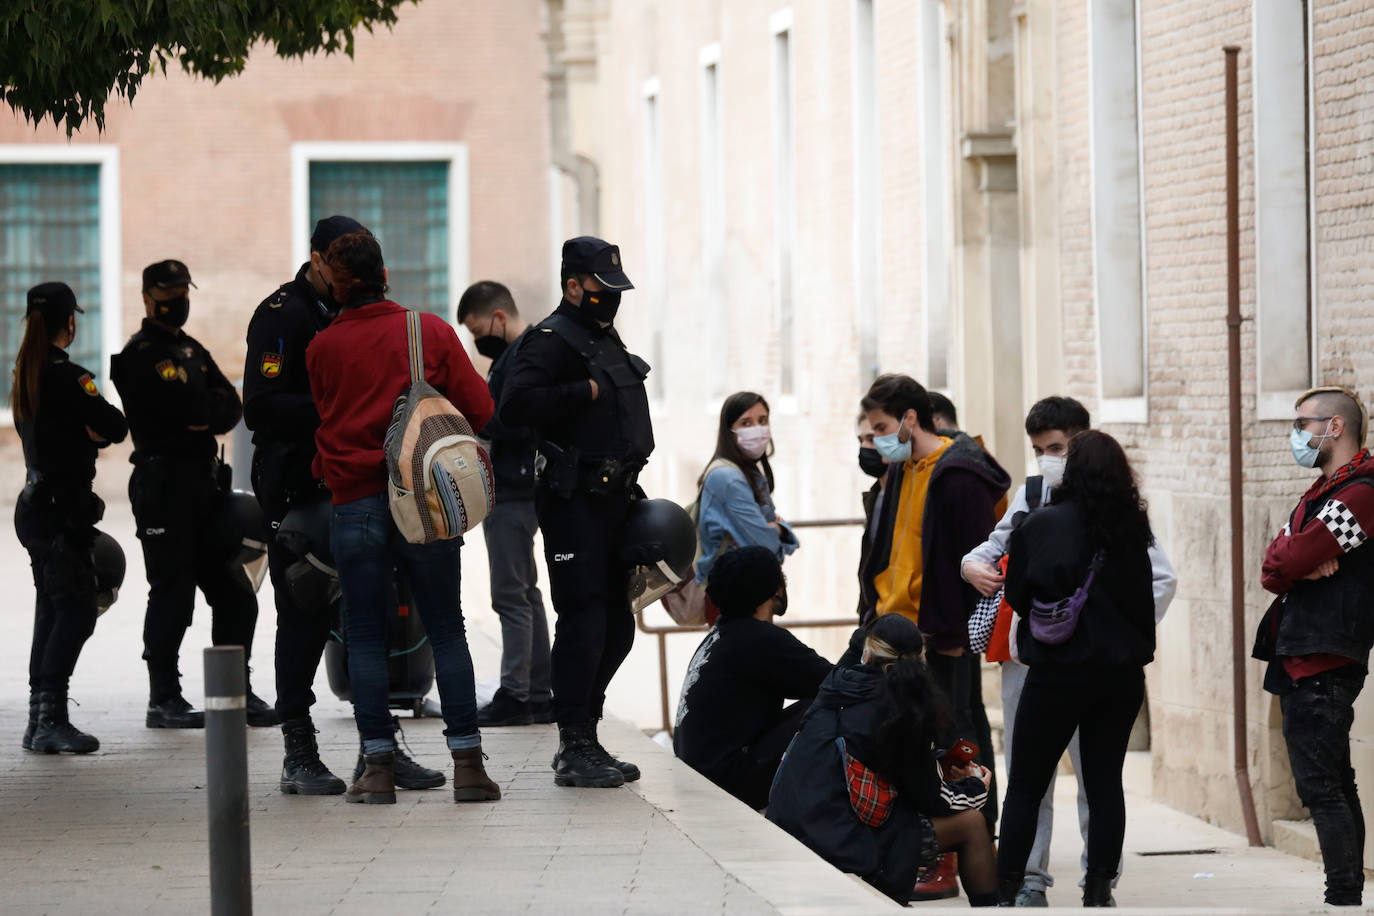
(125, 830)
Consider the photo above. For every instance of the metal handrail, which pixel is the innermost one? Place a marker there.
(661, 633)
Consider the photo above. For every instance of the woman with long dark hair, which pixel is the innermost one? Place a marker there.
(860, 784)
(735, 508)
(1086, 554)
(62, 422)
(358, 366)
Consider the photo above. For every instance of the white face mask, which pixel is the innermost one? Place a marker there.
(753, 441)
(1052, 466)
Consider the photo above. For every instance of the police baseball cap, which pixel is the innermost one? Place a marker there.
(601, 259)
(55, 301)
(166, 275)
(330, 228)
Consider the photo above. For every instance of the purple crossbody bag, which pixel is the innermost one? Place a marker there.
(1053, 622)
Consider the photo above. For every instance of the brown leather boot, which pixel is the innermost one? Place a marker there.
(377, 785)
(470, 780)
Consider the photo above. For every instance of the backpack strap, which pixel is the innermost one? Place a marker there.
(1035, 491)
(416, 345)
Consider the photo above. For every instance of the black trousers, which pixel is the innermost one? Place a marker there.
(172, 501)
(65, 604)
(1103, 706)
(749, 776)
(1317, 716)
(301, 637)
(595, 629)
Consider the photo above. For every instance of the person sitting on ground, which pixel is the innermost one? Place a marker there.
(860, 785)
(732, 726)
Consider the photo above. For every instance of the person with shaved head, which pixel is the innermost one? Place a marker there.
(1317, 634)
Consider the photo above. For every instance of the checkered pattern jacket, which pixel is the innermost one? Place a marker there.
(1332, 614)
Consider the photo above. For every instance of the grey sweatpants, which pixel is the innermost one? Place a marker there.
(509, 531)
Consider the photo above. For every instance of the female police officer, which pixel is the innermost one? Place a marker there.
(62, 420)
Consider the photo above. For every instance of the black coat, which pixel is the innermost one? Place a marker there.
(810, 796)
(1048, 559)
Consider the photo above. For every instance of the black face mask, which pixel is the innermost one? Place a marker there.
(491, 345)
(780, 604)
(602, 304)
(172, 312)
(871, 463)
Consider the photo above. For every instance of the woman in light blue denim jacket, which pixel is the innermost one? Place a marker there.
(736, 504)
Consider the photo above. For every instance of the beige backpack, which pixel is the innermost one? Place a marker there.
(440, 477)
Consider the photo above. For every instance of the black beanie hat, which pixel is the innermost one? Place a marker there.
(743, 579)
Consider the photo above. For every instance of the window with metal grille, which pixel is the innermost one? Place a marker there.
(49, 230)
(404, 204)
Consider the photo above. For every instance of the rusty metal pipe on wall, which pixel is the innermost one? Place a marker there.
(1233, 322)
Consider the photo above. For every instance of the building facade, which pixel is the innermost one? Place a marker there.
(1006, 200)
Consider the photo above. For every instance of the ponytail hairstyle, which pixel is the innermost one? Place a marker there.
(28, 368)
(356, 266)
(912, 707)
(727, 444)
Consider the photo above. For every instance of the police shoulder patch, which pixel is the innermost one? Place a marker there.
(88, 385)
(166, 370)
(270, 367)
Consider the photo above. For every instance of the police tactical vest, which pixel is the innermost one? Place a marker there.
(619, 377)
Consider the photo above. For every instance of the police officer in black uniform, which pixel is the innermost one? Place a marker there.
(178, 401)
(582, 393)
(62, 421)
(279, 408)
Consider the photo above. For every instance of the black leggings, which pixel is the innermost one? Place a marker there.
(1102, 705)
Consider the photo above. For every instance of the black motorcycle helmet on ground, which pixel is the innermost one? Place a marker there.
(659, 544)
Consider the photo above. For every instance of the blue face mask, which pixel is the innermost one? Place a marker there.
(1300, 444)
(892, 449)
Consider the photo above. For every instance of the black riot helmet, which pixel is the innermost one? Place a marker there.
(312, 579)
(108, 558)
(659, 544)
(239, 532)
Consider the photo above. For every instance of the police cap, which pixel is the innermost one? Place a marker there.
(601, 259)
(330, 228)
(55, 301)
(166, 275)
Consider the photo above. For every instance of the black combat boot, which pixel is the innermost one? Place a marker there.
(261, 714)
(580, 762)
(302, 771)
(33, 721)
(167, 708)
(627, 769)
(54, 733)
(408, 773)
(1097, 889)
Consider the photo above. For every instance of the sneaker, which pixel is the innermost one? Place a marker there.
(174, 712)
(261, 714)
(504, 709)
(1031, 896)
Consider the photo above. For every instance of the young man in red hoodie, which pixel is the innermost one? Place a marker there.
(1317, 634)
(358, 366)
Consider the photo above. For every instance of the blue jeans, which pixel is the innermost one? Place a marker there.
(1317, 716)
(367, 549)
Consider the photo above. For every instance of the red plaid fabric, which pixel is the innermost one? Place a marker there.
(871, 796)
(1324, 485)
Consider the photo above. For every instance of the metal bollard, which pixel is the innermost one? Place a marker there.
(226, 781)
